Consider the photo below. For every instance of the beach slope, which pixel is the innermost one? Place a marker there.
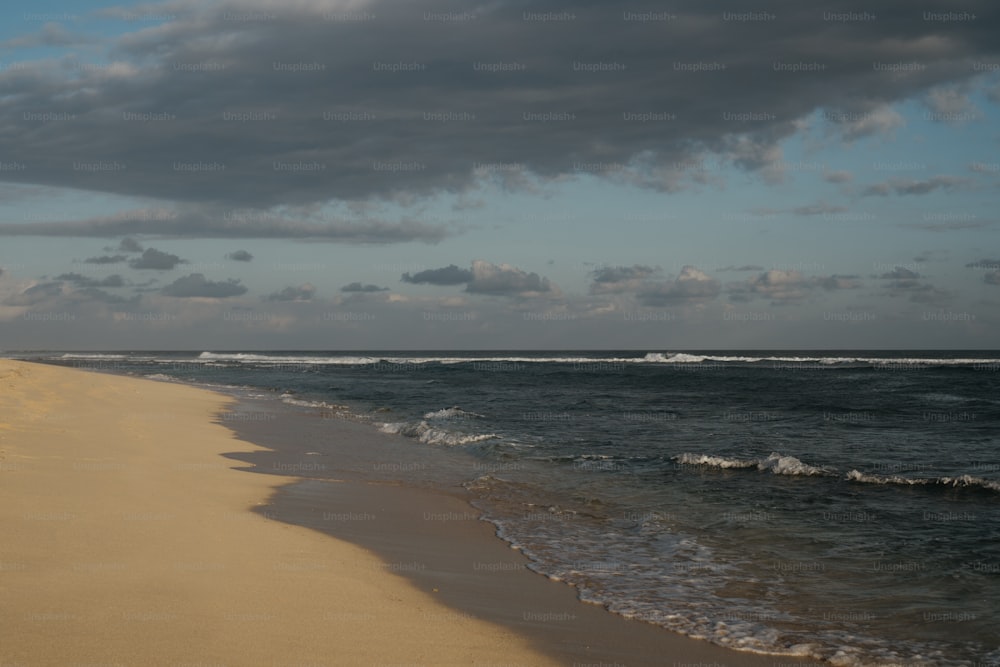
(129, 539)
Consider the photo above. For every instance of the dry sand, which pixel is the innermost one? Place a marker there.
(129, 539)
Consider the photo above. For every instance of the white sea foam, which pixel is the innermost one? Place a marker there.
(649, 358)
(451, 413)
(774, 462)
(961, 481)
(426, 433)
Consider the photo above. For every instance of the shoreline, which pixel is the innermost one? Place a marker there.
(452, 592)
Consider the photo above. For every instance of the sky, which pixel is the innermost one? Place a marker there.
(445, 174)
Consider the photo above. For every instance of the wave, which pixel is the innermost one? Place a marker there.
(779, 464)
(431, 435)
(451, 413)
(959, 482)
(290, 399)
(650, 358)
(775, 462)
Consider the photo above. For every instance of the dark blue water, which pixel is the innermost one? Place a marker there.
(844, 506)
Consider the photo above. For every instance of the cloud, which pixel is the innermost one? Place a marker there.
(838, 177)
(195, 285)
(106, 259)
(129, 245)
(198, 76)
(744, 267)
(784, 287)
(619, 279)
(819, 208)
(950, 104)
(911, 187)
(691, 285)
(863, 120)
(836, 282)
(35, 294)
(900, 273)
(240, 256)
(153, 259)
(449, 275)
(211, 223)
(616, 274)
(505, 280)
(83, 281)
(358, 287)
(991, 264)
(992, 278)
(304, 292)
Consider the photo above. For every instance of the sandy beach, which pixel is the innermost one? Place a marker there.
(131, 539)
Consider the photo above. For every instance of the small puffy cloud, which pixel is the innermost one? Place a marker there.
(505, 280)
(785, 287)
(304, 292)
(106, 259)
(855, 125)
(910, 187)
(950, 104)
(358, 287)
(900, 273)
(744, 267)
(83, 281)
(838, 177)
(618, 279)
(692, 284)
(836, 282)
(992, 264)
(449, 275)
(157, 260)
(129, 245)
(240, 256)
(819, 208)
(195, 285)
(35, 294)
(617, 274)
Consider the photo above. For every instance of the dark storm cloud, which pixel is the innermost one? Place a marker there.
(196, 109)
(449, 275)
(240, 256)
(303, 292)
(195, 285)
(83, 281)
(358, 287)
(106, 259)
(153, 259)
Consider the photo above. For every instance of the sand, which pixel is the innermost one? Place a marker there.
(133, 534)
(129, 540)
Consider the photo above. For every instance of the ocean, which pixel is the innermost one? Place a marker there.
(843, 506)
